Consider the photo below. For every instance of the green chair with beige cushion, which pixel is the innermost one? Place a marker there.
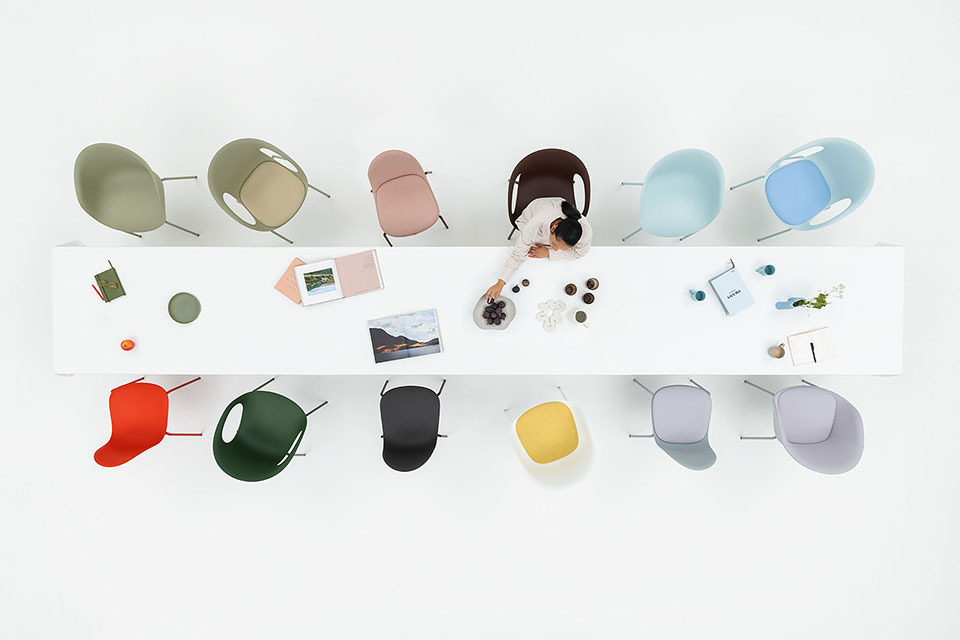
(262, 179)
(120, 190)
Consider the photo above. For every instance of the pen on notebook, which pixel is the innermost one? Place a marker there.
(97, 291)
(813, 352)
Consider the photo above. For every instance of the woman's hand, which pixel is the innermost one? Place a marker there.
(494, 292)
(539, 251)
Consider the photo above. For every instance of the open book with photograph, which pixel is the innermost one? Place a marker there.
(405, 336)
(339, 278)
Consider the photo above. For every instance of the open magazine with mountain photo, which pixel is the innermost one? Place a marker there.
(405, 336)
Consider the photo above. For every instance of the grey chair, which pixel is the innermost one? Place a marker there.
(680, 415)
(410, 419)
(270, 191)
(819, 429)
(120, 190)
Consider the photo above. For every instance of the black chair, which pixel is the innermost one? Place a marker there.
(410, 418)
(547, 173)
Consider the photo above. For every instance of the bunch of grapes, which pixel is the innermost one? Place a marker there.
(493, 313)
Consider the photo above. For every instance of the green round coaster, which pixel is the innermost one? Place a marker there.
(184, 307)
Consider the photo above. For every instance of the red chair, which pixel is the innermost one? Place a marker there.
(138, 415)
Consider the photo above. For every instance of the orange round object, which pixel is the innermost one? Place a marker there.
(126, 345)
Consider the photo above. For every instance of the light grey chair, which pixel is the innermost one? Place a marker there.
(120, 190)
(680, 415)
(817, 427)
(250, 171)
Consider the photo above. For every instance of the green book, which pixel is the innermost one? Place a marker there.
(108, 282)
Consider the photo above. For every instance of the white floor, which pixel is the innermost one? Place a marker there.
(338, 545)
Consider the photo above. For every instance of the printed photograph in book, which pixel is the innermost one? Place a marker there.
(320, 282)
(405, 336)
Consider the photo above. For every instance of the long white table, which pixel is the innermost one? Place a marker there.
(643, 320)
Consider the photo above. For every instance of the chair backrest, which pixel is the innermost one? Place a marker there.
(138, 418)
(233, 164)
(547, 173)
(118, 189)
(847, 169)
(681, 420)
(410, 419)
(819, 428)
(390, 165)
(682, 193)
(271, 428)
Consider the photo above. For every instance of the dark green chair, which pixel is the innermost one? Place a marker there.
(271, 429)
(120, 190)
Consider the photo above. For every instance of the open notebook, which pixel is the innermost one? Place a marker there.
(338, 278)
(811, 346)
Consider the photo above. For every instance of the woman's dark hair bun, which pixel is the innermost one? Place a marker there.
(570, 211)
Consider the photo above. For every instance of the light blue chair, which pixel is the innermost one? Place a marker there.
(682, 193)
(812, 178)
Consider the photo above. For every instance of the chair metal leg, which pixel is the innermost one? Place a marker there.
(281, 237)
(639, 229)
(176, 226)
(443, 221)
(264, 384)
(441, 435)
(384, 388)
(737, 186)
(758, 437)
(682, 238)
(808, 382)
(178, 178)
(183, 434)
(642, 386)
(318, 190)
(698, 386)
(756, 386)
(639, 435)
(631, 184)
(774, 235)
(135, 235)
(181, 386)
(511, 233)
(131, 382)
(322, 404)
(442, 385)
(387, 239)
(562, 394)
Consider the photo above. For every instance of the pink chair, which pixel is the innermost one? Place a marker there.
(405, 202)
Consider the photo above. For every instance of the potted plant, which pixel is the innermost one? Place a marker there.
(821, 300)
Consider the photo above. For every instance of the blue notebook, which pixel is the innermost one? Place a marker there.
(732, 291)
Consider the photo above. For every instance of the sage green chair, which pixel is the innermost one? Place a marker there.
(120, 190)
(271, 192)
(271, 429)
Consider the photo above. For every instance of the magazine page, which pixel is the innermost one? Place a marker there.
(359, 273)
(409, 335)
(318, 282)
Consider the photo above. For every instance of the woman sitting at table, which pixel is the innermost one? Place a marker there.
(549, 228)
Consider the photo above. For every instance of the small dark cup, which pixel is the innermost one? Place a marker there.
(593, 284)
(588, 298)
(571, 289)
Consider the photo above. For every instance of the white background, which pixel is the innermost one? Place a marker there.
(471, 545)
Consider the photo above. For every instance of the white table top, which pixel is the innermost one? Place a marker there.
(643, 320)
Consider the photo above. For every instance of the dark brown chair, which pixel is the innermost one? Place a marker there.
(547, 173)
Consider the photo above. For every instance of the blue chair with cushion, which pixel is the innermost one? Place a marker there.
(811, 179)
(682, 193)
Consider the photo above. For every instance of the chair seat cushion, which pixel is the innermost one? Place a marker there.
(797, 192)
(406, 206)
(681, 414)
(805, 415)
(272, 193)
(548, 432)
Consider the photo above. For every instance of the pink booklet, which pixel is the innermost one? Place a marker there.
(334, 279)
(287, 285)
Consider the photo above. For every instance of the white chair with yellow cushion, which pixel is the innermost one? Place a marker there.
(260, 178)
(549, 441)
